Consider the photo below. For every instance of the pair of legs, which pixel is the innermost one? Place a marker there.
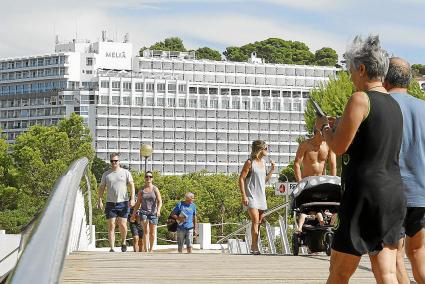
(137, 233)
(184, 236)
(122, 224)
(415, 251)
(343, 266)
(302, 217)
(256, 216)
(149, 230)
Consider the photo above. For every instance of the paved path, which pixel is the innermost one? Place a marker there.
(153, 268)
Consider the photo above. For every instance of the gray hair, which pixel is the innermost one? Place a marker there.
(369, 53)
(399, 73)
(189, 195)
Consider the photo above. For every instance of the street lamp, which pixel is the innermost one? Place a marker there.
(146, 151)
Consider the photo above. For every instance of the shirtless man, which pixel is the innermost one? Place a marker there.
(312, 154)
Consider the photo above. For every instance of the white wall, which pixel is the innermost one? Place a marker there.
(7, 244)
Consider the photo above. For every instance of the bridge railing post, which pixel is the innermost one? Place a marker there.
(204, 238)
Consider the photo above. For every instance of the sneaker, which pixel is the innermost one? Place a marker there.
(123, 247)
(111, 250)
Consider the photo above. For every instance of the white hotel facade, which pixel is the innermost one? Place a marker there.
(197, 114)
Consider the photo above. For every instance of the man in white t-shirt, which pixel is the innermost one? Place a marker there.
(116, 181)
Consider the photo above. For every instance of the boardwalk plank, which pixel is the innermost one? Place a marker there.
(104, 267)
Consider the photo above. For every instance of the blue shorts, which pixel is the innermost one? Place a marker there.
(119, 209)
(136, 229)
(153, 219)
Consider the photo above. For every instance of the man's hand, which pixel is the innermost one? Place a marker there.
(132, 203)
(245, 200)
(158, 213)
(100, 204)
(273, 165)
(133, 218)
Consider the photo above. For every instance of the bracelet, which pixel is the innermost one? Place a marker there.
(324, 126)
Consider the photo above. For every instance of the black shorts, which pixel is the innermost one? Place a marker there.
(136, 229)
(414, 221)
(119, 209)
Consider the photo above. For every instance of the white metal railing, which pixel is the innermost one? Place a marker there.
(60, 229)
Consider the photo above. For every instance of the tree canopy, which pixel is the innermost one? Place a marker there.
(418, 69)
(276, 50)
(207, 53)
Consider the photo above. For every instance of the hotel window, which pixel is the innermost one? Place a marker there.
(160, 88)
(193, 103)
(204, 103)
(305, 95)
(275, 93)
(214, 104)
(115, 100)
(224, 92)
(276, 105)
(236, 105)
(235, 92)
(256, 105)
(297, 105)
(171, 102)
(203, 91)
(139, 101)
(265, 93)
(172, 88)
(150, 87)
(182, 89)
(89, 61)
(149, 101)
(255, 93)
(225, 104)
(296, 94)
(182, 102)
(160, 101)
(245, 92)
(126, 101)
(139, 87)
(286, 94)
(127, 86)
(245, 104)
(115, 86)
(213, 91)
(287, 105)
(193, 90)
(266, 105)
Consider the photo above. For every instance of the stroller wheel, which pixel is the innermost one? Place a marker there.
(295, 244)
(328, 243)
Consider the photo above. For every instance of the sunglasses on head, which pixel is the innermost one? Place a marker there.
(115, 161)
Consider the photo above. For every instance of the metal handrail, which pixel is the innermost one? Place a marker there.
(43, 257)
(246, 224)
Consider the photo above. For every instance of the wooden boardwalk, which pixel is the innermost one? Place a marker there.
(153, 268)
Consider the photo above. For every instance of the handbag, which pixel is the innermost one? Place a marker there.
(171, 224)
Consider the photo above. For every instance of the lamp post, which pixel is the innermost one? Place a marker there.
(146, 151)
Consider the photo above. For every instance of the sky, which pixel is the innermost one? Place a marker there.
(28, 27)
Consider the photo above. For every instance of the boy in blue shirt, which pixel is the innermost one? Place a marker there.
(185, 214)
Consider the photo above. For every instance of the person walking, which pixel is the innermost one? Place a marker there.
(136, 232)
(252, 184)
(185, 215)
(369, 136)
(150, 202)
(412, 165)
(116, 181)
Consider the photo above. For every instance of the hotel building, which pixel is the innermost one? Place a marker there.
(197, 114)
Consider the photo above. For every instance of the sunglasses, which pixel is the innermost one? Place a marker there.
(115, 161)
(148, 176)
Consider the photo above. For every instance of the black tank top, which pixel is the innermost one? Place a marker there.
(373, 203)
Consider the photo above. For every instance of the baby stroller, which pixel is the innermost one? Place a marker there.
(315, 194)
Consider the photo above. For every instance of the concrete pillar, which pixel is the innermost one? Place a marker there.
(204, 238)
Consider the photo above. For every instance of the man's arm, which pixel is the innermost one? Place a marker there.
(299, 157)
(195, 223)
(332, 162)
(101, 192)
(130, 183)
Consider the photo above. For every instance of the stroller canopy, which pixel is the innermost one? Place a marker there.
(317, 189)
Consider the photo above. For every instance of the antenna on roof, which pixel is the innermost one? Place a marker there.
(103, 35)
(126, 37)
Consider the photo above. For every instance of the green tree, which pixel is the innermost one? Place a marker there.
(234, 53)
(208, 53)
(98, 167)
(331, 97)
(418, 69)
(169, 44)
(326, 56)
(415, 90)
(287, 172)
